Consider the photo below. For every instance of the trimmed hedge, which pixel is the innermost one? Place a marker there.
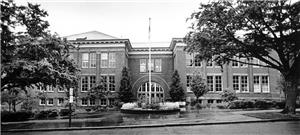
(261, 104)
(15, 116)
(46, 114)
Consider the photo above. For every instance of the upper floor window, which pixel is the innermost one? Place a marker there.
(88, 60)
(191, 60)
(108, 60)
(238, 62)
(155, 65)
(85, 60)
(50, 101)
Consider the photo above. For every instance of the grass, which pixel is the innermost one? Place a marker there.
(274, 115)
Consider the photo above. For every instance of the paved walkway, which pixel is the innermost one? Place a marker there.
(218, 117)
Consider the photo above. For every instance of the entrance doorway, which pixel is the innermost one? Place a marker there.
(156, 92)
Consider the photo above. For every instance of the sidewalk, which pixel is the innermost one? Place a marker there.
(220, 118)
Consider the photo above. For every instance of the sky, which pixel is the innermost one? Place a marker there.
(120, 18)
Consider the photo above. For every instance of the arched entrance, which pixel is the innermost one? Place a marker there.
(156, 92)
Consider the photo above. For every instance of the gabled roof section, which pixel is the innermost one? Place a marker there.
(91, 35)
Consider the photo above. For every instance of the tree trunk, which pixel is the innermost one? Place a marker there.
(291, 97)
(14, 106)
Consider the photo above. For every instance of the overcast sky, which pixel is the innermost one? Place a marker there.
(120, 18)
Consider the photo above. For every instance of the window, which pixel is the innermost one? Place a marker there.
(189, 60)
(50, 88)
(236, 64)
(256, 84)
(188, 83)
(111, 101)
(111, 83)
(214, 83)
(157, 65)
(143, 65)
(209, 63)
(92, 81)
(265, 84)
(84, 102)
(104, 80)
(236, 83)
(85, 60)
(244, 84)
(84, 84)
(218, 84)
(42, 101)
(255, 61)
(93, 60)
(60, 101)
(197, 62)
(103, 102)
(210, 101)
(50, 101)
(92, 102)
(104, 60)
(59, 89)
(219, 101)
(87, 82)
(210, 83)
(240, 83)
(112, 60)
(151, 65)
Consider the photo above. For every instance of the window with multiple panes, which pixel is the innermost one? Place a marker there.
(240, 83)
(60, 101)
(87, 82)
(218, 83)
(219, 101)
(50, 101)
(42, 101)
(237, 64)
(84, 102)
(188, 82)
(84, 83)
(214, 83)
(189, 60)
(111, 80)
(112, 60)
(210, 101)
(93, 60)
(210, 83)
(265, 84)
(143, 64)
(155, 65)
(104, 60)
(256, 84)
(209, 63)
(111, 101)
(50, 88)
(103, 102)
(92, 102)
(85, 60)
(104, 80)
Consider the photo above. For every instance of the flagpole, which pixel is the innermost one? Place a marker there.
(149, 61)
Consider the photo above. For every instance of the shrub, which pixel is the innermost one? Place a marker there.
(263, 104)
(46, 114)
(15, 116)
(241, 104)
(64, 112)
(88, 109)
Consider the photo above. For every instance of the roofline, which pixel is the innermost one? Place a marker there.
(127, 41)
(174, 41)
(89, 32)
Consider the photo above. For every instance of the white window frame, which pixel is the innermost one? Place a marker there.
(188, 86)
(60, 104)
(60, 90)
(189, 60)
(102, 103)
(84, 61)
(104, 60)
(50, 88)
(144, 65)
(49, 103)
(90, 103)
(240, 83)
(82, 83)
(93, 60)
(82, 102)
(214, 82)
(44, 101)
(111, 60)
(157, 65)
(259, 84)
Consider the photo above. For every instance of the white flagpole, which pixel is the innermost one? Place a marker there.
(149, 61)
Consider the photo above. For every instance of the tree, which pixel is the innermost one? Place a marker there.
(198, 86)
(125, 94)
(30, 54)
(99, 91)
(265, 30)
(176, 90)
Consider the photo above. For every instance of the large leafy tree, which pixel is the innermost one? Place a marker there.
(198, 86)
(266, 30)
(125, 94)
(30, 54)
(176, 91)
